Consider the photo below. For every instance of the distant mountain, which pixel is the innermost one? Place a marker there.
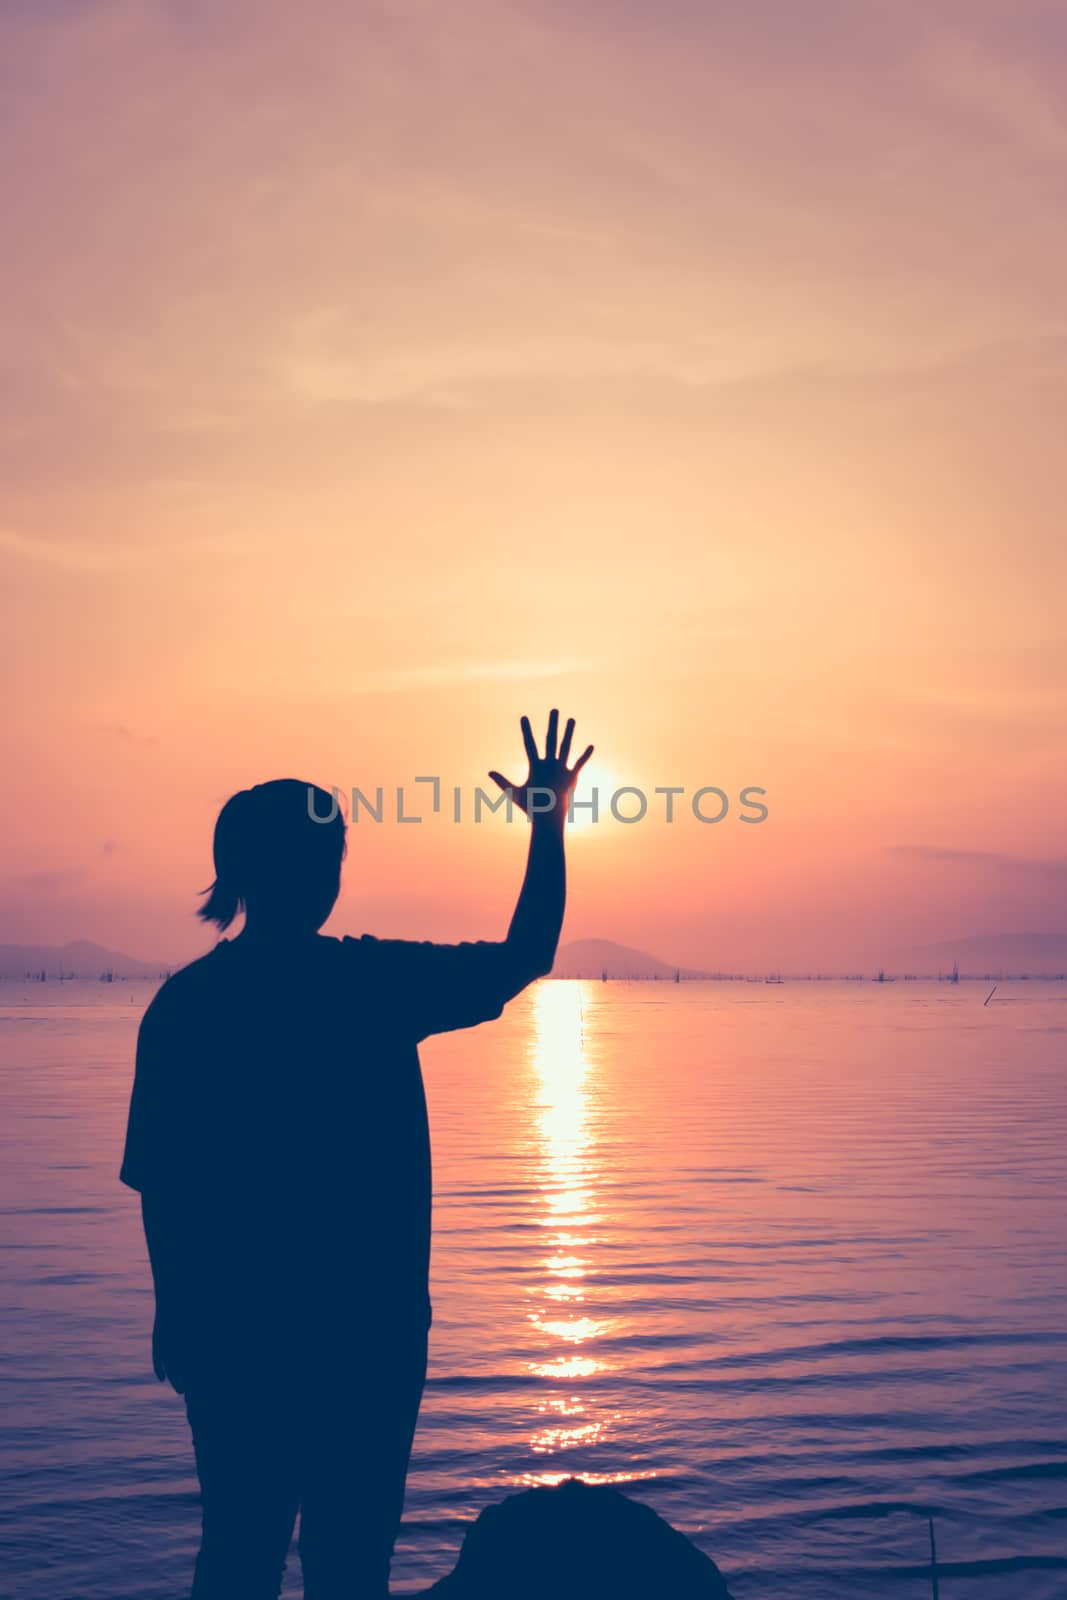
(79, 959)
(590, 958)
(999, 955)
(1041, 955)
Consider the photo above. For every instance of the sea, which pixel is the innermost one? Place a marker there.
(787, 1262)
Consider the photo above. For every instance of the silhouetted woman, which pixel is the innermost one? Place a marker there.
(278, 1138)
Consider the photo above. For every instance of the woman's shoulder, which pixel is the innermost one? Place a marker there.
(188, 983)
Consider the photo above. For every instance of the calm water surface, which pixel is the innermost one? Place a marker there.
(790, 1261)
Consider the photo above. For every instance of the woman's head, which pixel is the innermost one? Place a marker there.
(278, 851)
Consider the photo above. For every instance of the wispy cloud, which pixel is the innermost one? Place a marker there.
(89, 556)
(119, 730)
(53, 881)
(448, 672)
(1010, 92)
(984, 860)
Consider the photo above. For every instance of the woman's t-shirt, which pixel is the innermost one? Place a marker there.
(278, 1113)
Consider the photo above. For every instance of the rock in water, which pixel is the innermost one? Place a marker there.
(578, 1541)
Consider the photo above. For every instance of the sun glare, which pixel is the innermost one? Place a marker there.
(599, 782)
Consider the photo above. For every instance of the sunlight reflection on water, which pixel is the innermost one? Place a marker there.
(566, 1176)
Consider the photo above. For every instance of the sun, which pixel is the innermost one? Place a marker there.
(599, 779)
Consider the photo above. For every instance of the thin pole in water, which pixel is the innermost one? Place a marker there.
(990, 995)
(933, 1561)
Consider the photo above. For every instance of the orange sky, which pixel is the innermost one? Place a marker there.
(373, 376)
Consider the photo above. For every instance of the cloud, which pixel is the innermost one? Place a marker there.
(119, 730)
(54, 881)
(471, 672)
(73, 555)
(1009, 92)
(983, 860)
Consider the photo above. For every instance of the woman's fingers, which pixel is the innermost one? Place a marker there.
(500, 781)
(551, 742)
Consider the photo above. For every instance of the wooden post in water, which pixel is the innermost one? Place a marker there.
(933, 1562)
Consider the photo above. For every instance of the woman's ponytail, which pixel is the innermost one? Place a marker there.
(222, 904)
(230, 849)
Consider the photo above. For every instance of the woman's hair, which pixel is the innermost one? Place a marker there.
(281, 844)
